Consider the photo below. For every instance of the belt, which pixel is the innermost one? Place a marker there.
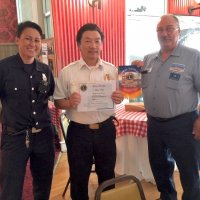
(35, 130)
(14, 131)
(171, 118)
(94, 126)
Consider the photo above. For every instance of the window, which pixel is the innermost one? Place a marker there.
(47, 18)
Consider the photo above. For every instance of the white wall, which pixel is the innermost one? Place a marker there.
(30, 10)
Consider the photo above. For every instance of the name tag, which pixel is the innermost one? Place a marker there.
(174, 76)
(176, 70)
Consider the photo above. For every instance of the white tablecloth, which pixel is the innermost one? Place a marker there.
(132, 157)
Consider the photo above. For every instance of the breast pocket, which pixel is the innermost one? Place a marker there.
(177, 81)
(14, 89)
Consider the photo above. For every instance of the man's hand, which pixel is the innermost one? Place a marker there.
(74, 100)
(139, 63)
(117, 97)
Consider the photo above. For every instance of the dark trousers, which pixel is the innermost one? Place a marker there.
(170, 141)
(82, 145)
(14, 157)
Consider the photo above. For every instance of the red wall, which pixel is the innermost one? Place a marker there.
(8, 21)
(180, 7)
(69, 15)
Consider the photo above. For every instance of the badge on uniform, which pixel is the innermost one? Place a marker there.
(107, 77)
(43, 87)
(176, 70)
(44, 79)
(174, 76)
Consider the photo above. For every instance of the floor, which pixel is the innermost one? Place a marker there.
(61, 175)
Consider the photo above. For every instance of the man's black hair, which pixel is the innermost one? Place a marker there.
(88, 27)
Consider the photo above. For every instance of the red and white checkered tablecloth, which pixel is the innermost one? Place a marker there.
(55, 115)
(130, 123)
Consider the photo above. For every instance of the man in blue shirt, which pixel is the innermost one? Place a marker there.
(171, 86)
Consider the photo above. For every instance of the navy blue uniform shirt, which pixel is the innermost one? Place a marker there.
(24, 93)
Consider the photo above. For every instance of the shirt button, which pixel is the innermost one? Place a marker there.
(36, 123)
(32, 88)
(33, 101)
(31, 76)
(34, 113)
(15, 89)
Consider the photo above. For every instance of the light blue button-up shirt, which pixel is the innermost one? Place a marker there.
(171, 88)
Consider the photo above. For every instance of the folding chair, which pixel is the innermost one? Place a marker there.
(64, 123)
(128, 188)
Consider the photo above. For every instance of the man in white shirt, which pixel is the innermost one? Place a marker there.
(90, 134)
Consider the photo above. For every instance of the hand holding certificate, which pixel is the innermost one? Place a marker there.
(96, 96)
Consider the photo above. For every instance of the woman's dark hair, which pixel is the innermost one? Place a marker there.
(28, 24)
(88, 27)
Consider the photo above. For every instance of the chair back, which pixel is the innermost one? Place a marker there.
(64, 123)
(129, 188)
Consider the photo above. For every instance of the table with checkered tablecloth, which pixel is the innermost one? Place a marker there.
(132, 123)
(131, 142)
(55, 115)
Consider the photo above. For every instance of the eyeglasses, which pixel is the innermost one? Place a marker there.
(167, 30)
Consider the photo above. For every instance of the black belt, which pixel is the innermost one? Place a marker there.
(94, 126)
(171, 118)
(13, 131)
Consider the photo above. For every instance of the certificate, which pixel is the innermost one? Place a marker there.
(96, 96)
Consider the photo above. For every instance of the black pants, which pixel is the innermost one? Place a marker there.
(14, 157)
(82, 145)
(171, 141)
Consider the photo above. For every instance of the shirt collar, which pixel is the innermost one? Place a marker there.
(38, 66)
(22, 65)
(82, 63)
(176, 52)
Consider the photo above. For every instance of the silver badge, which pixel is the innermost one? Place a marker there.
(44, 78)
